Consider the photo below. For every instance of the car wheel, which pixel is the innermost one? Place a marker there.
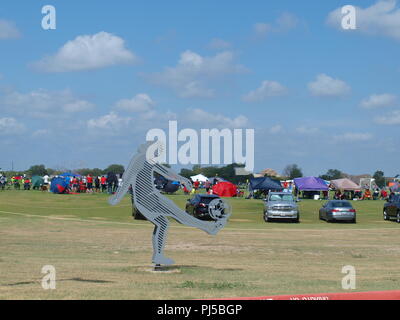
(385, 216)
(297, 220)
(398, 216)
(266, 219)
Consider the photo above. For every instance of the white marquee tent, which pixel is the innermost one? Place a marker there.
(199, 177)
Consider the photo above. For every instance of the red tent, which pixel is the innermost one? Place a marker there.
(225, 189)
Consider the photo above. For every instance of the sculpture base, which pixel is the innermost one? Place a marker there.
(163, 269)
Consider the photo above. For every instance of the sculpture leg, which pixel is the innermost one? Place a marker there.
(210, 227)
(159, 239)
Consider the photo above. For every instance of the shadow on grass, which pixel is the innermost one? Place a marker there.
(61, 280)
(210, 286)
(182, 268)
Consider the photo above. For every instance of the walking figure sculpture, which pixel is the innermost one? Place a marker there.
(156, 208)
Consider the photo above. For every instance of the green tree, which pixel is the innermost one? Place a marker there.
(379, 177)
(115, 168)
(53, 172)
(187, 173)
(93, 172)
(332, 174)
(293, 171)
(37, 170)
(227, 172)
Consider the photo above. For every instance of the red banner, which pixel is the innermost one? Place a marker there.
(377, 295)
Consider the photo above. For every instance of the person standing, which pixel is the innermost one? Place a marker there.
(46, 182)
(103, 182)
(384, 194)
(89, 184)
(112, 182)
(27, 183)
(97, 184)
(196, 185)
(207, 185)
(3, 181)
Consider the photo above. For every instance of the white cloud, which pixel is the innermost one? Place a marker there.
(276, 129)
(392, 118)
(43, 103)
(219, 44)
(379, 101)
(261, 29)
(208, 119)
(266, 90)
(307, 130)
(353, 137)
(10, 126)
(193, 73)
(8, 30)
(382, 19)
(325, 86)
(88, 52)
(140, 103)
(110, 124)
(285, 22)
(41, 133)
(77, 106)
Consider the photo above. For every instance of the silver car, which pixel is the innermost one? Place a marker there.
(338, 210)
(281, 206)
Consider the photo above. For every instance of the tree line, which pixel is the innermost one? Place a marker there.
(41, 170)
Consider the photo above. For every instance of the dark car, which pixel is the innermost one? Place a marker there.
(198, 206)
(338, 210)
(391, 209)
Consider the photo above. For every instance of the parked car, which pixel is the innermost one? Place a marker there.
(198, 206)
(281, 206)
(391, 209)
(338, 210)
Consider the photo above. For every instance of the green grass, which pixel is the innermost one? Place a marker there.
(246, 213)
(101, 253)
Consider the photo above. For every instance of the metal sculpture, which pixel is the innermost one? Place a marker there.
(156, 208)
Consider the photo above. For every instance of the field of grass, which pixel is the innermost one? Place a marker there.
(99, 252)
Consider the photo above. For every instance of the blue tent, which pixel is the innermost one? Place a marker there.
(265, 184)
(166, 185)
(171, 187)
(59, 185)
(310, 184)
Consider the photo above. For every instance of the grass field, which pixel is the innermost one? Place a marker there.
(99, 252)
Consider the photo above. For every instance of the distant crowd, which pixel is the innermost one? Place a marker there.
(77, 184)
(109, 184)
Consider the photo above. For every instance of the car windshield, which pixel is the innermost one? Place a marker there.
(206, 200)
(341, 204)
(281, 197)
(396, 198)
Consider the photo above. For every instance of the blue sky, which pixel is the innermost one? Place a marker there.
(86, 93)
